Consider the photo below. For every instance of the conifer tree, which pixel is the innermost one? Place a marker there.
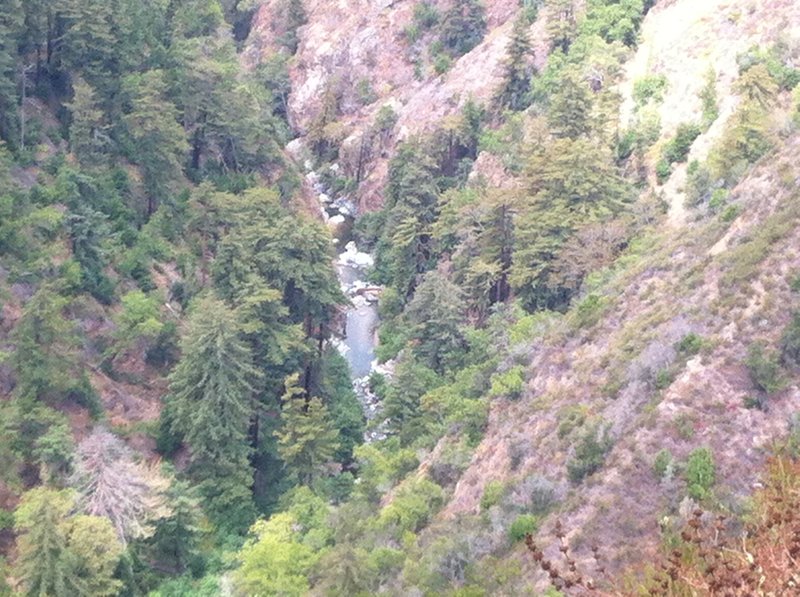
(571, 183)
(64, 555)
(211, 403)
(561, 23)
(45, 564)
(43, 355)
(515, 92)
(306, 438)
(88, 40)
(175, 542)
(159, 140)
(570, 111)
(435, 315)
(407, 250)
(11, 20)
(88, 131)
(463, 26)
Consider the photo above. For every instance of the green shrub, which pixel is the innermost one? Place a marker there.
(729, 214)
(649, 87)
(524, 524)
(678, 148)
(492, 493)
(426, 15)
(664, 378)
(590, 453)
(790, 341)
(719, 197)
(690, 344)
(698, 183)
(663, 171)
(700, 473)
(510, 383)
(794, 285)
(708, 98)
(764, 369)
(589, 311)
(571, 418)
(662, 464)
(441, 63)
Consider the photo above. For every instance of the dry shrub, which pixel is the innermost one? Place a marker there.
(763, 560)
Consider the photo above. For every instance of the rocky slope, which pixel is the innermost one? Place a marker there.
(726, 282)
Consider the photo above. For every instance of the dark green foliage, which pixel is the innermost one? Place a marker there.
(463, 27)
(346, 413)
(700, 473)
(523, 525)
(401, 404)
(678, 147)
(613, 20)
(44, 357)
(764, 368)
(590, 452)
(790, 341)
(175, 542)
(515, 92)
(435, 316)
(663, 171)
(651, 87)
(690, 344)
(211, 405)
(492, 493)
(307, 438)
(662, 464)
(158, 141)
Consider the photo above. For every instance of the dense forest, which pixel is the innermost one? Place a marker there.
(177, 417)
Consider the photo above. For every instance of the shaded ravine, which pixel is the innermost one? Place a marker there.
(357, 339)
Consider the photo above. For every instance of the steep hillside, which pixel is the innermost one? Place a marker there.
(652, 354)
(399, 297)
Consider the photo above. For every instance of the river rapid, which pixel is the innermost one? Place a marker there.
(357, 338)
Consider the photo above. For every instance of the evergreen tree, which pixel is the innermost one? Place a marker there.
(515, 92)
(561, 23)
(62, 555)
(411, 381)
(45, 564)
(435, 315)
(463, 26)
(159, 142)
(307, 439)
(406, 248)
(88, 131)
(211, 403)
(570, 111)
(175, 543)
(87, 41)
(88, 229)
(43, 356)
(570, 183)
(11, 20)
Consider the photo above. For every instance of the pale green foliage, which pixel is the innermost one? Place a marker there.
(62, 555)
(138, 320)
(274, 561)
(411, 507)
(306, 438)
(700, 473)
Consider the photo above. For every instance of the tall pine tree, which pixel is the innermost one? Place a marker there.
(211, 404)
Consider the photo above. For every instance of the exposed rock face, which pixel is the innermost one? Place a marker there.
(353, 45)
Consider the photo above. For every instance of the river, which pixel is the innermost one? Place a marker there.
(358, 337)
